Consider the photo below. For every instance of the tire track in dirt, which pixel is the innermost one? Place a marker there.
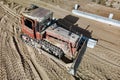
(97, 68)
(27, 64)
(89, 71)
(52, 67)
(7, 53)
(2, 69)
(38, 68)
(13, 63)
(106, 55)
(91, 67)
(18, 71)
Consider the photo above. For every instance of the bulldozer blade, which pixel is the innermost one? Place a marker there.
(77, 61)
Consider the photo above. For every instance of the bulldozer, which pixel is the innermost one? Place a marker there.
(40, 30)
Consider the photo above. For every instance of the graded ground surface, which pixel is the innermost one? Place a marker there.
(21, 62)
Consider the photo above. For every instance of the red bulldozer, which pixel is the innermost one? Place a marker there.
(41, 31)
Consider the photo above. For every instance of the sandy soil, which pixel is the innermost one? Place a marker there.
(87, 6)
(101, 10)
(21, 62)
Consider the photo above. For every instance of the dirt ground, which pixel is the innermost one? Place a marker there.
(87, 6)
(21, 62)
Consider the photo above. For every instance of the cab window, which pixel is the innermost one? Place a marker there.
(28, 23)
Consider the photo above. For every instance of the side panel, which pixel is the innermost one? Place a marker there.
(37, 31)
(26, 30)
(38, 36)
(72, 50)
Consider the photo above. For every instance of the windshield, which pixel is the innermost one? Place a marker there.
(41, 26)
(47, 19)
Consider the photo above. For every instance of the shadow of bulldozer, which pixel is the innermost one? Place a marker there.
(68, 22)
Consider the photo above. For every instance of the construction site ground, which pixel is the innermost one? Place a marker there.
(19, 61)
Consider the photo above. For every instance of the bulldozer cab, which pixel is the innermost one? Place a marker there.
(64, 47)
(35, 20)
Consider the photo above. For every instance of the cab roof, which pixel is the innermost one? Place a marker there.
(36, 13)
